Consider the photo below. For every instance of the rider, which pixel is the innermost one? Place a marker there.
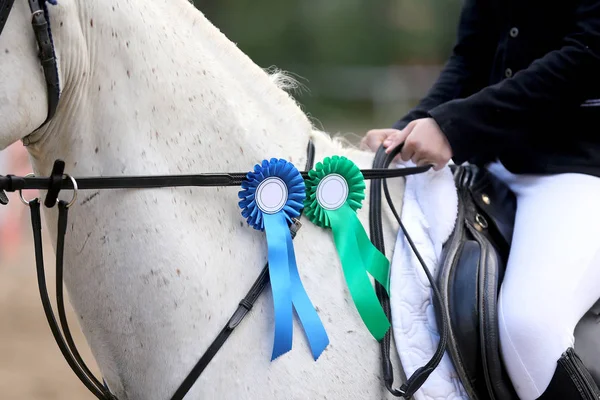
(520, 95)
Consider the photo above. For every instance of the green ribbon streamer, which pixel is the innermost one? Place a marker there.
(357, 258)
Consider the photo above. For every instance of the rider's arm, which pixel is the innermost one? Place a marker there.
(467, 69)
(505, 112)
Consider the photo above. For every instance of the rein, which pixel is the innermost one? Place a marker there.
(418, 378)
(58, 181)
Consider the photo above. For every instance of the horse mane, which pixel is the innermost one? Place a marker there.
(289, 84)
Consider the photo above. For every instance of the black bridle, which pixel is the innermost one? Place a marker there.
(58, 181)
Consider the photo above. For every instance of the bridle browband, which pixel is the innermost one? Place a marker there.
(58, 181)
(46, 53)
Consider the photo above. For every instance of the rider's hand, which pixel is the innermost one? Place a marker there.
(424, 143)
(375, 137)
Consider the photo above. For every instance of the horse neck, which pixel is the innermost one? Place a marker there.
(154, 87)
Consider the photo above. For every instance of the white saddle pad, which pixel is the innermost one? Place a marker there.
(429, 213)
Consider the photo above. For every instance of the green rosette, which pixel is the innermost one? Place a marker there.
(335, 190)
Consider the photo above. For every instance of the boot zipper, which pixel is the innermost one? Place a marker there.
(581, 376)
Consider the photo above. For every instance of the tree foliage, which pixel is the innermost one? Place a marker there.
(307, 35)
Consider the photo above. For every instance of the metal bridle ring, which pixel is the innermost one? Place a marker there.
(481, 221)
(26, 202)
(75, 190)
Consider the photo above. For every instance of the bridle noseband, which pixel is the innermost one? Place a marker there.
(46, 52)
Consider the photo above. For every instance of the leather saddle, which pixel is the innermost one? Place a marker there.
(469, 278)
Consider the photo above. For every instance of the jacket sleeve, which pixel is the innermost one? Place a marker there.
(467, 69)
(502, 114)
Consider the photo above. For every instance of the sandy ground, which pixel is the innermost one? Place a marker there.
(31, 365)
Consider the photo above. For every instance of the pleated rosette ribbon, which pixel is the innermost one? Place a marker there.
(335, 191)
(271, 196)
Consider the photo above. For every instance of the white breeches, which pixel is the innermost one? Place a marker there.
(553, 273)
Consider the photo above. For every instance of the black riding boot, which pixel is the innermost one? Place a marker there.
(571, 380)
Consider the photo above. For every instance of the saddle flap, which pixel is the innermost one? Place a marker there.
(470, 277)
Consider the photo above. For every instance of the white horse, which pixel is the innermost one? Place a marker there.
(152, 87)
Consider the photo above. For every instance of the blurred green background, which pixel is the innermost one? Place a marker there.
(363, 63)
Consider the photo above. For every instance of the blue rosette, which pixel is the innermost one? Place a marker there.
(271, 196)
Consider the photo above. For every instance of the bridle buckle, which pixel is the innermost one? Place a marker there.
(295, 227)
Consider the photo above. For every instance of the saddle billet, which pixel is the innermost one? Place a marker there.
(472, 269)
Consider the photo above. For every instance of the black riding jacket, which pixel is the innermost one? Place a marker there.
(522, 85)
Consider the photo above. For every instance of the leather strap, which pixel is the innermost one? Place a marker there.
(416, 380)
(244, 307)
(242, 310)
(56, 178)
(43, 35)
(63, 210)
(66, 346)
(11, 183)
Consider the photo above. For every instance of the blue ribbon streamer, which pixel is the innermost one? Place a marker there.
(313, 327)
(288, 290)
(279, 273)
(286, 285)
